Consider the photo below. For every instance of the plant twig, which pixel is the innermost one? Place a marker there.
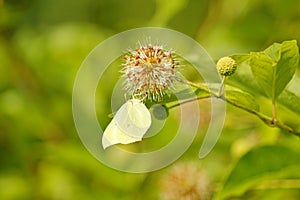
(221, 90)
(187, 101)
(266, 119)
(274, 115)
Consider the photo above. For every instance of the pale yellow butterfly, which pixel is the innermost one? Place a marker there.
(129, 125)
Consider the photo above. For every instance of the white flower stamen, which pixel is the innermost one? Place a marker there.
(150, 72)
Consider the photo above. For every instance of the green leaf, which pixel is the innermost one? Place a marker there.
(245, 81)
(242, 100)
(262, 68)
(257, 166)
(290, 101)
(240, 58)
(275, 67)
(287, 65)
(273, 51)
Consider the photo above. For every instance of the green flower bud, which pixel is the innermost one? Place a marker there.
(160, 112)
(226, 66)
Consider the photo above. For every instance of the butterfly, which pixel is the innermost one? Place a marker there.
(129, 125)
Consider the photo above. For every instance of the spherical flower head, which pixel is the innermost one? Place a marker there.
(150, 72)
(226, 66)
(185, 181)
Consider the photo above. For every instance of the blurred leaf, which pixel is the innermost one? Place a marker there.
(275, 67)
(165, 11)
(274, 194)
(260, 164)
(242, 99)
(69, 154)
(187, 17)
(13, 186)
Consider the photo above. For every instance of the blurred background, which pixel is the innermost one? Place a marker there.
(42, 45)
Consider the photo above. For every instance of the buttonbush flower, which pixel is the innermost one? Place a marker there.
(150, 72)
(185, 181)
(226, 66)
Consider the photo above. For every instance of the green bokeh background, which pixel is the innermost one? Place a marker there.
(42, 45)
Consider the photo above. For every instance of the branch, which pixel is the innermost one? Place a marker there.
(266, 119)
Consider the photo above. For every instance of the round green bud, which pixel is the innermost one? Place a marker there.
(226, 66)
(160, 112)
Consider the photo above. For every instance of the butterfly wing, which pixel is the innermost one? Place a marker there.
(133, 118)
(114, 135)
(129, 125)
